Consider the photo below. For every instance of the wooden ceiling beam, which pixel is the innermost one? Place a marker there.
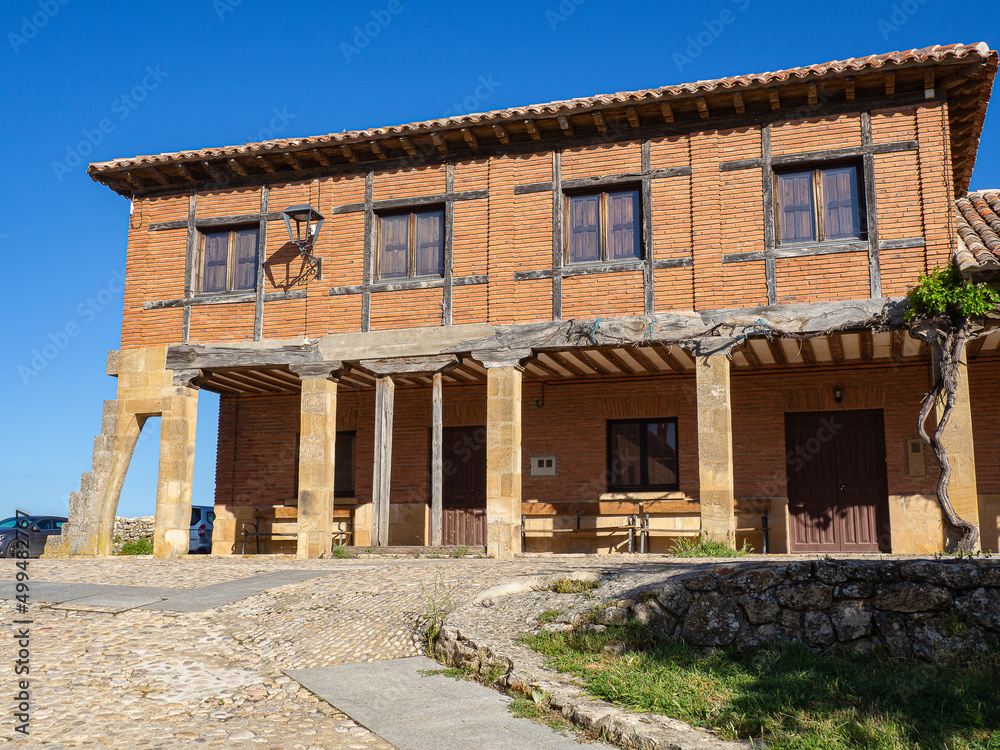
(897, 345)
(237, 166)
(215, 172)
(567, 129)
(614, 357)
(322, 157)
(293, 159)
(533, 130)
(501, 134)
(929, 83)
(183, 169)
(837, 347)
(582, 354)
(377, 150)
(668, 113)
(974, 348)
(807, 352)
(640, 356)
(750, 354)
(349, 154)
(670, 359)
(565, 363)
(408, 146)
(812, 93)
(439, 142)
(633, 117)
(470, 138)
(602, 127)
(849, 88)
(777, 352)
(867, 345)
(545, 367)
(772, 94)
(890, 83)
(160, 176)
(134, 181)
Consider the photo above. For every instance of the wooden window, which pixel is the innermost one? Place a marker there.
(228, 261)
(819, 205)
(343, 466)
(604, 226)
(411, 244)
(642, 454)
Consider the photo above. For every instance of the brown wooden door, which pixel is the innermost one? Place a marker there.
(463, 499)
(837, 491)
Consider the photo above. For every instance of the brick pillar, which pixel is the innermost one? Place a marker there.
(715, 440)
(503, 452)
(317, 443)
(171, 536)
(958, 443)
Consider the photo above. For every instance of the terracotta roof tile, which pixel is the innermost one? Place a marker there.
(978, 218)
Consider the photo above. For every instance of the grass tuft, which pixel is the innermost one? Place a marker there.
(142, 546)
(787, 696)
(570, 586)
(707, 548)
(341, 552)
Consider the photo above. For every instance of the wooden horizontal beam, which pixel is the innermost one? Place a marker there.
(603, 180)
(216, 221)
(223, 299)
(419, 200)
(403, 365)
(222, 356)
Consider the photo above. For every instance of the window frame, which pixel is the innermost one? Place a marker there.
(643, 456)
(816, 171)
(231, 262)
(603, 224)
(411, 242)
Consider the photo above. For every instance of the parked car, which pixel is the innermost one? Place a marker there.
(31, 535)
(202, 518)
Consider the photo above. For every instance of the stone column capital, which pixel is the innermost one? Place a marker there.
(186, 378)
(322, 370)
(491, 358)
(711, 346)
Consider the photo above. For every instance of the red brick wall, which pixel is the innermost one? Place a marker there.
(984, 390)
(258, 431)
(702, 216)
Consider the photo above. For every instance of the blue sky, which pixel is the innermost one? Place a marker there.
(197, 73)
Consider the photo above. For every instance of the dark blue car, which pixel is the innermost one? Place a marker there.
(31, 535)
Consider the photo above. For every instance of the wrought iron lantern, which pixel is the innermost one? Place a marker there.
(307, 223)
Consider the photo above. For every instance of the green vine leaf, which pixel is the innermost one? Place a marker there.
(943, 292)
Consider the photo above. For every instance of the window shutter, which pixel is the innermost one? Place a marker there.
(841, 215)
(216, 257)
(245, 274)
(795, 196)
(584, 245)
(393, 250)
(623, 225)
(429, 246)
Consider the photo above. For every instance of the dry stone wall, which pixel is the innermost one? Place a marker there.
(927, 609)
(131, 530)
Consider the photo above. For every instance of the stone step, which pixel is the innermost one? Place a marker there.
(109, 417)
(86, 482)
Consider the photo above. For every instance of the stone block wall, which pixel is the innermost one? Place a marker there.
(926, 609)
(131, 530)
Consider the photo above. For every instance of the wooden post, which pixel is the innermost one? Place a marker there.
(384, 390)
(437, 466)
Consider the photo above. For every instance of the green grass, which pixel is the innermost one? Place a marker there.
(342, 553)
(707, 548)
(460, 551)
(791, 698)
(142, 546)
(549, 616)
(570, 586)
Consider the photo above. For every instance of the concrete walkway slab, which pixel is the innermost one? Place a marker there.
(411, 705)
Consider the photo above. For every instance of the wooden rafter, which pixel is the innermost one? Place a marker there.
(738, 103)
(322, 157)
(470, 138)
(897, 345)
(750, 353)
(974, 348)
(633, 117)
(545, 367)
(161, 178)
(293, 159)
(439, 142)
(377, 150)
(849, 88)
(812, 93)
(532, 130)
(349, 154)
(617, 360)
(637, 353)
(582, 354)
(602, 126)
(567, 129)
(929, 83)
(214, 171)
(664, 353)
(772, 94)
(183, 169)
(501, 134)
(702, 103)
(867, 345)
(668, 113)
(890, 83)
(777, 351)
(265, 164)
(569, 365)
(408, 146)
(837, 347)
(807, 352)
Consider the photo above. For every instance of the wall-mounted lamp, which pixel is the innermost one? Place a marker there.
(838, 394)
(308, 221)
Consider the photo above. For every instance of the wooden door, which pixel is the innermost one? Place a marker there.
(837, 491)
(463, 499)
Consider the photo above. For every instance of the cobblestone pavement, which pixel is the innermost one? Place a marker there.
(105, 678)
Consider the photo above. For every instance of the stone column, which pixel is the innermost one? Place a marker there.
(503, 451)
(171, 536)
(317, 449)
(957, 439)
(715, 439)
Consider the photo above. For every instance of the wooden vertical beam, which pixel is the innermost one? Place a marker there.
(189, 261)
(871, 210)
(648, 278)
(767, 186)
(258, 313)
(437, 460)
(449, 246)
(381, 476)
(368, 264)
(557, 234)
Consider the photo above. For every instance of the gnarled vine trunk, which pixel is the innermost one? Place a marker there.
(947, 336)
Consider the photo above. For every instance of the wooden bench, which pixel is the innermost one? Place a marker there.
(577, 512)
(267, 516)
(653, 509)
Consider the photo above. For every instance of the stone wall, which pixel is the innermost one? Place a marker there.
(927, 609)
(131, 530)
